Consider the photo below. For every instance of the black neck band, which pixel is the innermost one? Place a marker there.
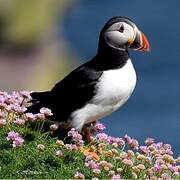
(108, 57)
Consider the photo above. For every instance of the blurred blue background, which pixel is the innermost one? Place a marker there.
(42, 41)
(154, 108)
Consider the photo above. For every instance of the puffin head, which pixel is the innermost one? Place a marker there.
(122, 33)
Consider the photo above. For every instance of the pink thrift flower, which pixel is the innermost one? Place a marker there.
(3, 106)
(127, 162)
(149, 158)
(30, 116)
(12, 135)
(149, 141)
(14, 95)
(71, 147)
(10, 100)
(74, 134)
(144, 149)
(60, 142)
(26, 95)
(119, 141)
(127, 139)
(102, 137)
(96, 171)
(16, 107)
(88, 158)
(110, 139)
(40, 116)
(157, 167)
(116, 177)
(168, 149)
(92, 164)
(9, 108)
(170, 167)
(80, 142)
(19, 122)
(21, 110)
(46, 111)
(2, 115)
(134, 144)
(99, 127)
(18, 141)
(159, 145)
(79, 175)
(169, 152)
(2, 122)
(54, 127)
(177, 171)
(2, 99)
(40, 147)
(59, 153)
(76, 137)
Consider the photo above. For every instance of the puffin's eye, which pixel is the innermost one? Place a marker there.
(121, 29)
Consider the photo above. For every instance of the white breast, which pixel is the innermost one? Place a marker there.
(113, 90)
(115, 86)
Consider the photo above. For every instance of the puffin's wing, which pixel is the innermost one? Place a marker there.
(74, 91)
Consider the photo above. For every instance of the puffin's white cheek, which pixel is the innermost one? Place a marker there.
(115, 38)
(129, 34)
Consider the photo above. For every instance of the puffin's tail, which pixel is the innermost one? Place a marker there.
(39, 100)
(44, 99)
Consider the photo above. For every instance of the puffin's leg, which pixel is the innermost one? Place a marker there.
(88, 131)
(87, 134)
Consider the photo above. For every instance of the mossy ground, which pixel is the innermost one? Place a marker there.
(29, 162)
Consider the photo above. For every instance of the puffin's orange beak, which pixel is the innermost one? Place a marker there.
(145, 46)
(140, 43)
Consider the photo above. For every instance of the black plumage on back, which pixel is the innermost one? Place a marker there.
(72, 93)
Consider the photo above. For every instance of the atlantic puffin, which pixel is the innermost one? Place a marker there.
(101, 85)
